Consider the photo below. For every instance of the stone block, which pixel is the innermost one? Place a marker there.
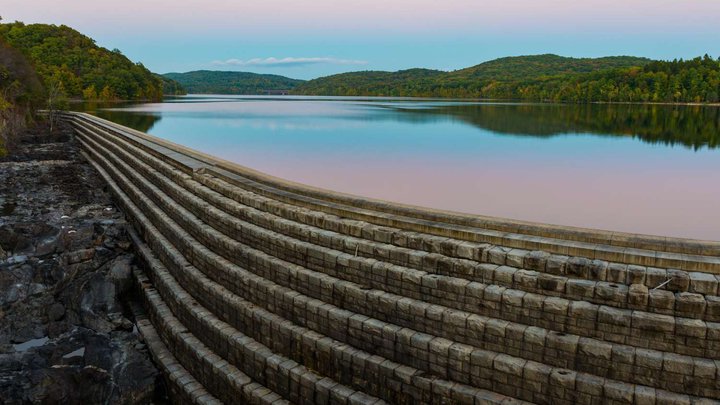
(578, 267)
(611, 292)
(661, 300)
(617, 273)
(581, 289)
(636, 274)
(690, 327)
(583, 310)
(653, 322)
(595, 348)
(679, 281)
(614, 316)
(619, 391)
(549, 282)
(497, 255)
(690, 303)
(675, 363)
(556, 305)
(563, 378)
(598, 270)
(512, 366)
(645, 395)
(526, 279)
(516, 258)
(649, 359)
(638, 296)
(703, 283)
(555, 264)
(536, 260)
(504, 275)
(655, 276)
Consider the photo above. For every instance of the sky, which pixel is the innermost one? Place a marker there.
(310, 38)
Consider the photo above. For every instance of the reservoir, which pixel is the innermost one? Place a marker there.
(651, 169)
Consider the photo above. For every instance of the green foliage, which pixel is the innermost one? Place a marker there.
(63, 55)
(20, 92)
(214, 82)
(171, 87)
(692, 126)
(541, 78)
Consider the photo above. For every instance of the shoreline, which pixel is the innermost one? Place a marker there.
(488, 100)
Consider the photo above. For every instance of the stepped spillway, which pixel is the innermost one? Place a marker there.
(260, 290)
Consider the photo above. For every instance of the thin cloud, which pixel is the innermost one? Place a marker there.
(289, 61)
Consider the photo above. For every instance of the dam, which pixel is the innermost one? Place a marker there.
(259, 290)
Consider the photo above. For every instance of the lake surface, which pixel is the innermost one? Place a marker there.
(634, 168)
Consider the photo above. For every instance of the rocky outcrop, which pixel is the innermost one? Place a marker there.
(260, 290)
(66, 335)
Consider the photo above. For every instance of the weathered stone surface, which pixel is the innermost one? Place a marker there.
(400, 308)
(63, 336)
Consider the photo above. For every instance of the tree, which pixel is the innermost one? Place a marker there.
(90, 93)
(56, 102)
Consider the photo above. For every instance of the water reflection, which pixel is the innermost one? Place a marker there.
(612, 167)
(113, 111)
(691, 126)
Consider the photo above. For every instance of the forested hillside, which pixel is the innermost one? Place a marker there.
(217, 82)
(541, 78)
(66, 59)
(20, 92)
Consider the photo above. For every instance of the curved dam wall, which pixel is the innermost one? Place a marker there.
(259, 290)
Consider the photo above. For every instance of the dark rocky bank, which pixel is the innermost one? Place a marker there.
(66, 331)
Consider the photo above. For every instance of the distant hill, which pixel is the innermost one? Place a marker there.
(468, 82)
(541, 78)
(219, 82)
(534, 66)
(65, 57)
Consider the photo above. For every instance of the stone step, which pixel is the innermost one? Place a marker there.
(632, 249)
(182, 386)
(321, 353)
(215, 374)
(412, 243)
(232, 345)
(648, 326)
(635, 297)
(426, 387)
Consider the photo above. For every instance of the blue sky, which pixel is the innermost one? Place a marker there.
(306, 39)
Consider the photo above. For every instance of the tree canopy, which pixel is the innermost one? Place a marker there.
(218, 82)
(541, 78)
(63, 56)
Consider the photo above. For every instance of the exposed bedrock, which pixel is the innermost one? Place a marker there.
(66, 262)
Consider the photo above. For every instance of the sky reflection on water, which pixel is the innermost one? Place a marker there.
(645, 169)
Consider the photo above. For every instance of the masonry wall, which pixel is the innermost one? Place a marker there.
(265, 291)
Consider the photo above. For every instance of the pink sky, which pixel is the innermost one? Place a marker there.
(182, 35)
(367, 15)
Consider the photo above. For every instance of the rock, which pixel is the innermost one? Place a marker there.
(64, 262)
(47, 246)
(121, 273)
(56, 311)
(18, 259)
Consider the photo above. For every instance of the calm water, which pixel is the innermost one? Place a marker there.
(645, 169)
